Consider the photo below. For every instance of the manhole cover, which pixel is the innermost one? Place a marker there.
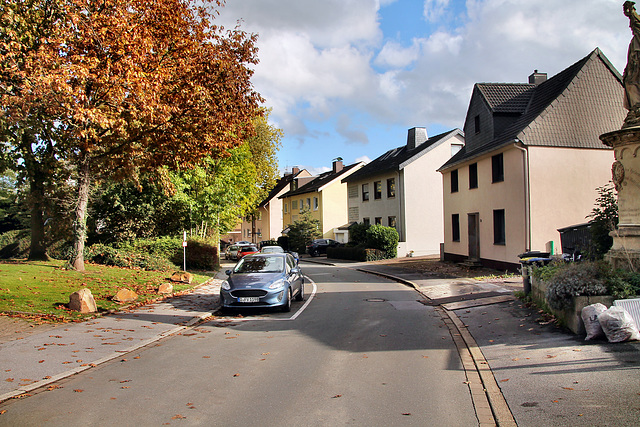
(375, 300)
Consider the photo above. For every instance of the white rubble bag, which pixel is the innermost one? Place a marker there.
(618, 325)
(590, 316)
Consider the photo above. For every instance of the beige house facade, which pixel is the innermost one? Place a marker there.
(532, 162)
(325, 196)
(403, 189)
(267, 222)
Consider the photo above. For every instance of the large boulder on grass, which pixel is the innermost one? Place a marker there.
(125, 295)
(82, 301)
(165, 288)
(182, 277)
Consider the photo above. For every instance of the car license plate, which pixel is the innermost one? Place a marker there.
(248, 299)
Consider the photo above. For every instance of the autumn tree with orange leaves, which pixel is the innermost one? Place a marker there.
(115, 88)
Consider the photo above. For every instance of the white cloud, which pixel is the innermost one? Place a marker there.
(365, 159)
(319, 59)
(394, 55)
(434, 9)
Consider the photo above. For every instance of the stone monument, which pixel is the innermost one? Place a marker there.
(625, 171)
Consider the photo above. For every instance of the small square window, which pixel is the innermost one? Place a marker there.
(499, 235)
(392, 221)
(377, 190)
(473, 175)
(455, 227)
(365, 192)
(476, 123)
(497, 168)
(454, 181)
(391, 188)
(378, 220)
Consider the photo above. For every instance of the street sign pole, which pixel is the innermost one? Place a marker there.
(184, 251)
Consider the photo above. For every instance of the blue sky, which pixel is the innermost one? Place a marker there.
(348, 78)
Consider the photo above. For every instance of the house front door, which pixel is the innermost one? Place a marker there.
(474, 236)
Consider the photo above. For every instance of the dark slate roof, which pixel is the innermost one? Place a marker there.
(319, 181)
(571, 109)
(280, 185)
(392, 159)
(507, 97)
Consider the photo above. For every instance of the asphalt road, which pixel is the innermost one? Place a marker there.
(360, 351)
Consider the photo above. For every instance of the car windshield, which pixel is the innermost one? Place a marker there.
(272, 249)
(249, 249)
(260, 265)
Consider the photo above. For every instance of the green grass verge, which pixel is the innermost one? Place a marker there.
(40, 290)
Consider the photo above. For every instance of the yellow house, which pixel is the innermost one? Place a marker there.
(325, 196)
(266, 224)
(531, 163)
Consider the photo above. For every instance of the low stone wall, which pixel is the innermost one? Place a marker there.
(569, 317)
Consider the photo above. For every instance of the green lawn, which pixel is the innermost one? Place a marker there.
(41, 289)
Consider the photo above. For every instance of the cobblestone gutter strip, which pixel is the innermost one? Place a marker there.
(490, 405)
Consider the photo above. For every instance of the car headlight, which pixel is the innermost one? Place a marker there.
(225, 285)
(277, 284)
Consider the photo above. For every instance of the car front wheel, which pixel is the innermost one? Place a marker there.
(300, 296)
(287, 304)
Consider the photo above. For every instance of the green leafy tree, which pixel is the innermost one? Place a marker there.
(603, 220)
(302, 231)
(118, 88)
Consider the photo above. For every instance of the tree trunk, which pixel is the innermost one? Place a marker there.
(36, 176)
(38, 249)
(80, 221)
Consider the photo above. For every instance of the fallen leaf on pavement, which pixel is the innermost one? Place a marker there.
(236, 375)
(4, 411)
(505, 380)
(336, 396)
(78, 390)
(178, 417)
(549, 356)
(407, 413)
(567, 388)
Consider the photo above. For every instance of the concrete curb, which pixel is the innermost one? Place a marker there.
(491, 406)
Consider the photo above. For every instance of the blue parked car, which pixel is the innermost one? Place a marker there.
(263, 280)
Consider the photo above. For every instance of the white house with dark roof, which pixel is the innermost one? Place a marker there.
(531, 163)
(403, 189)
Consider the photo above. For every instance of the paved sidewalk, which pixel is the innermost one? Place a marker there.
(45, 357)
(548, 376)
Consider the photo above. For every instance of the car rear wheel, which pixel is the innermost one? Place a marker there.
(287, 304)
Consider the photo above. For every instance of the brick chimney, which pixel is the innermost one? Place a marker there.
(295, 170)
(337, 166)
(536, 78)
(415, 137)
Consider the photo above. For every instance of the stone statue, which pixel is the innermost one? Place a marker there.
(631, 76)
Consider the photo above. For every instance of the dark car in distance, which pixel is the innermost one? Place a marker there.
(319, 246)
(263, 280)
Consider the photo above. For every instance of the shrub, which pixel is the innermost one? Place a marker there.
(383, 238)
(375, 255)
(201, 255)
(127, 258)
(353, 253)
(572, 280)
(358, 233)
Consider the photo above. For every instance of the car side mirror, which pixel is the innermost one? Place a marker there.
(228, 272)
(295, 270)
